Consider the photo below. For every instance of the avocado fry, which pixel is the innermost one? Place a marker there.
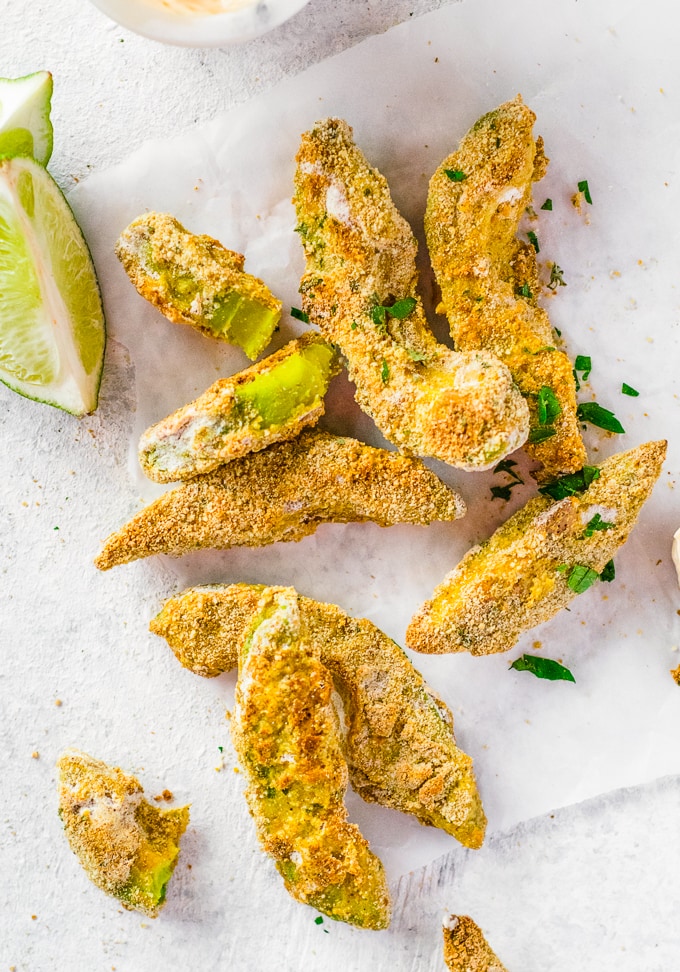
(399, 740)
(269, 402)
(359, 287)
(537, 561)
(466, 949)
(285, 731)
(194, 280)
(284, 493)
(127, 847)
(489, 280)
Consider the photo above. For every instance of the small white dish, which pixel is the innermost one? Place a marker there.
(236, 20)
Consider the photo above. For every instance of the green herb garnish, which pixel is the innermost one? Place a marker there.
(548, 406)
(583, 363)
(524, 291)
(596, 524)
(580, 577)
(600, 417)
(379, 317)
(533, 239)
(572, 483)
(402, 308)
(537, 435)
(556, 277)
(503, 492)
(384, 371)
(353, 326)
(609, 572)
(627, 390)
(547, 205)
(583, 187)
(543, 668)
(507, 466)
(318, 920)
(455, 175)
(299, 315)
(399, 310)
(416, 355)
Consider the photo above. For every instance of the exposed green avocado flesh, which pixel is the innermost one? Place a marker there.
(279, 395)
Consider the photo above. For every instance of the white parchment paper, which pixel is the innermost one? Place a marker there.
(605, 86)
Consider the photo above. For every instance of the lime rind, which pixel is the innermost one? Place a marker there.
(25, 125)
(52, 331)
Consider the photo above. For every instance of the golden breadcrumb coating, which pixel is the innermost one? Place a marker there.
(399, 740)
(488, 278)
(269, 402)
(127, 847)
(194, 280)
(285, 731)
(466, 949)
(284, 493)
(360, 289)
(523, 575)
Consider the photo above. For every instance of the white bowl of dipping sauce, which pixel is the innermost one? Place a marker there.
(200, 23)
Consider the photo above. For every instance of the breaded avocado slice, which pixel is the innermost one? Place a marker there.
(194, 280)
(127, 847)
(269, 402)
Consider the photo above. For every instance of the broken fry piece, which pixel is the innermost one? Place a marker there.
(127, 847)
(359, 287)
(194, 280)
(399, 740)
(284, 493)
(466, 949)
(538, 561)
(489, 280)
(286, 735)
(269, 402)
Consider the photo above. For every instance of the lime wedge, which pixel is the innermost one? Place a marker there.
(52, 332)
(25, 126)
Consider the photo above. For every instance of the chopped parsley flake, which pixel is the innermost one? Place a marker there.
(399, 310)
(416, 355)
(505, 492)
(580, 577)
(537, 435)
(455, 175)
(384, 371)
(533, 239)
(318, 920)
(547, 205)
(556, 277)
(402, 308)
(572, 483)
(583, 363)
(628, 390)
(524, 291)
(543, 668)
(379, 317)
(602, 418)
(583, 187)
(507, 466)
(597, 523)
(609, 572)
(299, 315)
(353, 326)
(548, 406)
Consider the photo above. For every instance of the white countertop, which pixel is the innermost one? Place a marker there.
(591, 886)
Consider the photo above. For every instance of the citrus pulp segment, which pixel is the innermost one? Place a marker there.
(25, 126)
(52, 332)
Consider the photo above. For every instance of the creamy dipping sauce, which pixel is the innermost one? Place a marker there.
(201, 6)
